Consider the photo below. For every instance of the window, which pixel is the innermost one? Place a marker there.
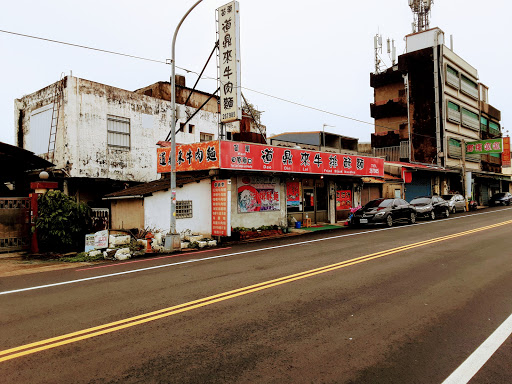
(183, 209)
(40, 123)
(453, 112)
(118, 129)
(494, 128)
(454, 148)
(205, 137)
(182, 128)
(452, 77)
(470, 119)
(469, 87)
(483, 124)
(191, 128)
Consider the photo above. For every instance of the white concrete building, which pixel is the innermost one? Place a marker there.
(109, 134)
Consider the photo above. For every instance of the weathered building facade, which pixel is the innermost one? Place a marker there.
(102, 138)
(425, 108)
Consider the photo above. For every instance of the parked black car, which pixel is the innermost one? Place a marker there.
(431, 207)
(384, 211)
(503, 198)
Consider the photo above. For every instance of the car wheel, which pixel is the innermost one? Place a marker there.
(389, 221)
(508, 202)
(432, 215)
(447, 213)
(454, 210)
(412, 219)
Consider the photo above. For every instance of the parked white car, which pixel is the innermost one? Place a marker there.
(456, 202)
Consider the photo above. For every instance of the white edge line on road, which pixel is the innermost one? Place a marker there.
(227, 255)
(481, 355)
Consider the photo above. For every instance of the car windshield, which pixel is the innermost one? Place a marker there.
(421, 201)
(447, 197)
(499, 195)
(381, 203)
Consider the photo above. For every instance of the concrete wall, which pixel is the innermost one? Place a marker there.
(81, 146)
(157, 209)
(127, 213)
(257, 219)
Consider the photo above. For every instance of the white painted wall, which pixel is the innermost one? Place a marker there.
(82, 129)
(157, 209)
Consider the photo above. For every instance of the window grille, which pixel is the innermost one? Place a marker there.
(494, 128)
(483, 124)
(118, 129)
(183, 209)
(205, 136)
(470, 119)
(469, 87)
(453, 112)
(452, 77)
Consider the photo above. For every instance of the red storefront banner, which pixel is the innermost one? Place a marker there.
(189, 157)
(505, 156)
(221, 193)
(257, 157)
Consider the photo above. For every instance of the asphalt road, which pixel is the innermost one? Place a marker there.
(403, 305)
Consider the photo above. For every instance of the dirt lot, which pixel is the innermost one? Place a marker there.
(12, 264)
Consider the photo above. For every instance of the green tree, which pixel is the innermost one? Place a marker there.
(62, 222)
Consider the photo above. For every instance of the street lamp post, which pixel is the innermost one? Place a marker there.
(323, 134)
(172, 239)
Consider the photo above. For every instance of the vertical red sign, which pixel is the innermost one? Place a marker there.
(505, 156)
(343, 200)
(221, 218)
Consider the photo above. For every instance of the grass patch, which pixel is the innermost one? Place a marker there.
(82, 257)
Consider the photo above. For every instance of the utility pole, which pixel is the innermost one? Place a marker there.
(463, 150)
(172, 240)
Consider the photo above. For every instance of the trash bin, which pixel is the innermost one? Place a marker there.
(297, 224)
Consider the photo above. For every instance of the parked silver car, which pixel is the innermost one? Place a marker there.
(456, 202)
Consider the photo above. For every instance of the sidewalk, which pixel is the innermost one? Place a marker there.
(20, 263)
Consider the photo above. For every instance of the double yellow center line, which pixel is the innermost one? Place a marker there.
(88, 333)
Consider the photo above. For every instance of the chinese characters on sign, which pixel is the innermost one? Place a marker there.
(505, 157)
(343, 200)
(221, 193)
(257, 157)
(484, 146)
(293, 193)
(256, 194)
(190, 157)
(229, 62)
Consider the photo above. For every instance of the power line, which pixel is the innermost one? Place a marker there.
(190, 71)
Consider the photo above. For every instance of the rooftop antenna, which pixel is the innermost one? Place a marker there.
(421, 11)
(377, 44)
(391, 51)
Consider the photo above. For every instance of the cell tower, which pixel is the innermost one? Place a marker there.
(421, 10)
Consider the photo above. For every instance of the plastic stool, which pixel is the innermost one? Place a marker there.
(307, 222)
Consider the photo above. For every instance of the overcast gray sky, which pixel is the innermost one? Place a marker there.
(316, 53)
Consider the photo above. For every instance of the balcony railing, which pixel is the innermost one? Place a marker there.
(395, 153)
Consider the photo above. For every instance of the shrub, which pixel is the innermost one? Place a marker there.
(62, 222)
